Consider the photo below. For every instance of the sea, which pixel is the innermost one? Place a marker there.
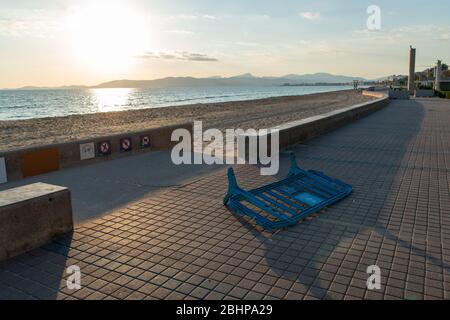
(40, 103)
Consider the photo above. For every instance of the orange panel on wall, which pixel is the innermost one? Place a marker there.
(38, 162)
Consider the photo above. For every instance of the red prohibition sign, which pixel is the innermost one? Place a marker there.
(126, 144)
(104, 147)
(145, 141)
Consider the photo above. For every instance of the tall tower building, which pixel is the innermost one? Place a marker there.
(437, 84)
(412, 70)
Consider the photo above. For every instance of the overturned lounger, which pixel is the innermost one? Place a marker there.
(285, 202)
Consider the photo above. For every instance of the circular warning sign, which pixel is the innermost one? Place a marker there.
(125, 144)
(104, 148)
(145, 141)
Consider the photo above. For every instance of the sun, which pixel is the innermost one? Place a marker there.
(107, 36)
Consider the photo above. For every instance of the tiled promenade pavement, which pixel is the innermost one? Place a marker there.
(183, 243)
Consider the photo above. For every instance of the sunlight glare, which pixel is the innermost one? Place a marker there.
(105, 35)
(110, 99)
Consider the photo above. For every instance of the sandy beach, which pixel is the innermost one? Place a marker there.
(263, 113)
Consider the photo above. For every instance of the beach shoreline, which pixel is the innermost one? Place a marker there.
(257, 114)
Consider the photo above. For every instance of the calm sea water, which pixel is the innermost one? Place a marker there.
(27, 104)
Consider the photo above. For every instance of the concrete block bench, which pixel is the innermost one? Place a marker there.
(31, 216)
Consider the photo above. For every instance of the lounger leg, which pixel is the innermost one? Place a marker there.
(294, 166)
(232, 185)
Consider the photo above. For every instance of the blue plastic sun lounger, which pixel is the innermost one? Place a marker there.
(284, 203)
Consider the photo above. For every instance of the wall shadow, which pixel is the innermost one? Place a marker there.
(103, 187)
(37, 274)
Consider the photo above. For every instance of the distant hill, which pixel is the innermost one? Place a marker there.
(53, 88)
(322, 78)
(246, 79)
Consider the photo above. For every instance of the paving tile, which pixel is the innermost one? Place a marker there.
(148, 288)
(277, 292)
(214, 295)
(254, 296)
(261, 288)
(185, 288)
(238, 292)
(224, 288)
(291, 295)
(96, 295)
(122, 293)
(161, 293)
(199, 292)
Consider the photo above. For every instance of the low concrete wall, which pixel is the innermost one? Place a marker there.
(302, 130)
(399, 94)
(379, 94)
(381, 88)
(3, 178)
(25, 162)
(31, 216)
(424, 93)
(296, 132)
(445, 86)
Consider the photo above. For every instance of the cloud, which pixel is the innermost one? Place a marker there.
(197, 57)
(181, 32)
(304, 42)
(262, 16)
(404, 33)
(193, 17)
(183, 55)
(208, 16)
(29, 23)
(246, 44)
(308, 15)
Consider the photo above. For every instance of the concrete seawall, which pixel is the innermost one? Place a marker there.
(299, 131)
(424, 93)
(399, 94)
(25, 162)
(296, 132)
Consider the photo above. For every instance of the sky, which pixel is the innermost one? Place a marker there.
(64, 42)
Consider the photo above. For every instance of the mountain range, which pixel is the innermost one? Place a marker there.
(245, 79)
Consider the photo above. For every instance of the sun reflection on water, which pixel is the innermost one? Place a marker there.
(111, 99)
